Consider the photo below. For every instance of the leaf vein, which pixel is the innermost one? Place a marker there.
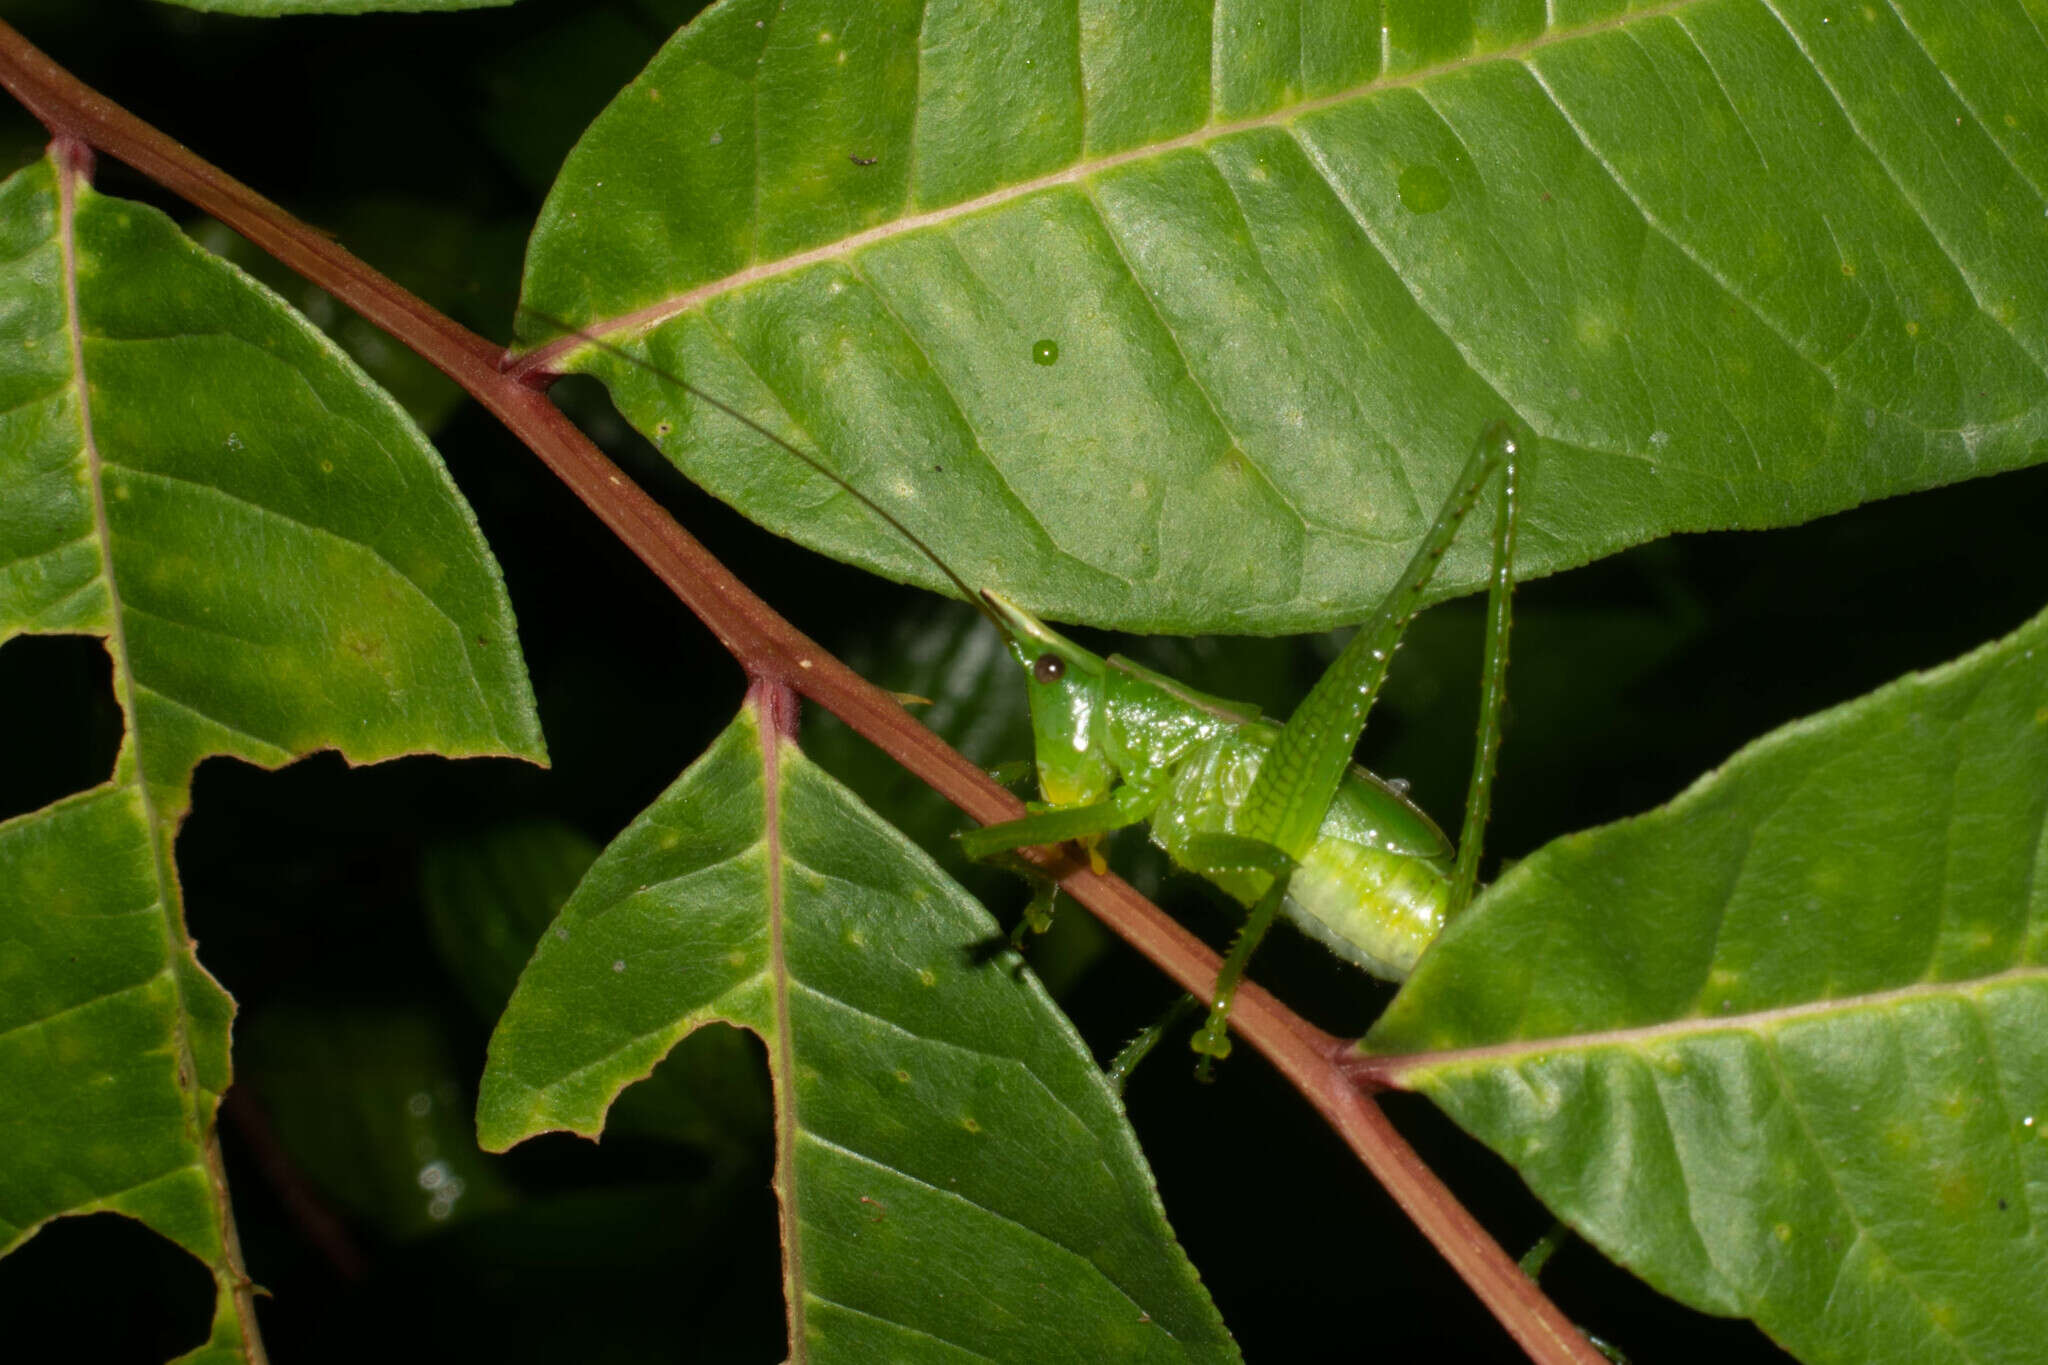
(948, 1044)
(1926, 220)
(1983, 124)
(2016, 1134)
(45, 1020)
(815, 1297)
(1788, 1098)
(1653, 222)
(812, 1135)
(552, 354)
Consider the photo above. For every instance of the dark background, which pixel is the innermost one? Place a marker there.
(427, 143)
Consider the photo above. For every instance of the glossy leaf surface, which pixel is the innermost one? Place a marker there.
(1183, 317)
(1781, 1047)
(278, 564)
(489, 898)
(956, 1179)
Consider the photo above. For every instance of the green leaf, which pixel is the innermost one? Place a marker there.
(1737, 264)
(955, 1176)
(278, 564)
(1781, 1047)
(448, 257)
(491, 896)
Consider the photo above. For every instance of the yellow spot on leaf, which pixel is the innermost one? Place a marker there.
(1955, 1190)
(362, 645)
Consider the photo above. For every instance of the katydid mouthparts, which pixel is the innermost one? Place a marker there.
(1279, 817)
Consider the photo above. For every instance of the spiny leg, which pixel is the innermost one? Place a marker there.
(1299, 777)
(1492, 690)
(1213, 853)
(1211, 1041)
(1126, 1061)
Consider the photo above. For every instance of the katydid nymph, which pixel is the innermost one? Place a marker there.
(1278, 817)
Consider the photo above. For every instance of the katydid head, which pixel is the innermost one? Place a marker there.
(1066, 693)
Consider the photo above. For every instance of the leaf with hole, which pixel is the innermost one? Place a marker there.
(278, 564)
(955, 1175)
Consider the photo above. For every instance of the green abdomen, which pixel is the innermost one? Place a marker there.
(1374, 886)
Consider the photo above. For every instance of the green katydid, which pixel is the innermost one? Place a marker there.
(1278, 817)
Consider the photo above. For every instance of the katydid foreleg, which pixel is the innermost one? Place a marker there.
(1493, 688)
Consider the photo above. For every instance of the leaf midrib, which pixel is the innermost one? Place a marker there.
(553, 356)
(1758, 1021)
(187, 1082)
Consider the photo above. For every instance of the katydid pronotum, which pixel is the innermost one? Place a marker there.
(1279, 817)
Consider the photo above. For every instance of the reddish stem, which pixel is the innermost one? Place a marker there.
(774, 652)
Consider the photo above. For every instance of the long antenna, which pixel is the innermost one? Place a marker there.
(806, 456)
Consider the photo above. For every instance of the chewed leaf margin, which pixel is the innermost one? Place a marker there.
(928, 1094)
(277, 563)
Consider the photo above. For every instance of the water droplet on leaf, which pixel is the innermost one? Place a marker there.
(1045, 352)
(1424, 189)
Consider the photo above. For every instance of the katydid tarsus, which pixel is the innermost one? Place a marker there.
(1279, 817)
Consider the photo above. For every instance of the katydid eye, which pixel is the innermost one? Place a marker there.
(1048, 668)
